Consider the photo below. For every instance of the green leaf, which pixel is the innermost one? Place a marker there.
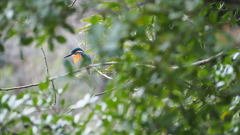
(20, 95)
(1, 48)
(61, 39)
(203, 73)
(69, 67)
(65, 87)
(93, 19)
(110, 68)
(68, 27)
(62, 102)
(26, 40)
(50, 44)
(109, 5)
(152, 8)
(84, 29)
(26, 119)
(5, 105)
(41, 39)
(35, 100)
(68, 118)
(44, 85)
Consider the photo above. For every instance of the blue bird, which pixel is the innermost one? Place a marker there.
(80, 59)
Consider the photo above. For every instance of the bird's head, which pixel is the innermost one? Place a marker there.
(74, 51)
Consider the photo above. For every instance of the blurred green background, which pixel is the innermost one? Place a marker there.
(175, 72)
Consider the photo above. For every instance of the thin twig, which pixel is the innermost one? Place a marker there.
(139, 8)
(113, 89)
(202, 62)
(53, 86)
(68, 112)
(72, 3)
(100, 93)
(56, 77)
(197, 101)
(194, 110)
(205, 61)
(108, 77)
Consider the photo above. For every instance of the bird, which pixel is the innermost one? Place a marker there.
(80, 59)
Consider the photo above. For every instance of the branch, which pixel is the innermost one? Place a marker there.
(194, 110)
(72, 3)
(101, 73)
(139, 8)
(99, 94)
(45, 59)
(202, 62)
(205, 61)
(193, 102)
(56, 77)
(198, 63)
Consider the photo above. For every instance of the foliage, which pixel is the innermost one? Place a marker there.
(146, 95)
(34, 21)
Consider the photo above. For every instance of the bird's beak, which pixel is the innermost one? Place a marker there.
(68, 55)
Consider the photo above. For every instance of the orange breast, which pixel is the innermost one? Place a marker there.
(77, 58)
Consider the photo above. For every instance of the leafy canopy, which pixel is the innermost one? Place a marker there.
(147, 95)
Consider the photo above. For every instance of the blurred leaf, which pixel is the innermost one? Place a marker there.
(203, 73)
(12, 101)
(82, 102)
(93, 19)
(65, 87)
(18, 103)
(110, 5)
(26, 40)
(28, 111)
(152, 8)
(26, 119)
(68, 118)
(62, 102)
(68, 27)
(61, 39)
(50, 44)
(84, 29)
(40, 40)
(68, 67)
(21, 55)
(1, 48)
(44, 85)
(34, 100)
(110, 68)
(5, 105)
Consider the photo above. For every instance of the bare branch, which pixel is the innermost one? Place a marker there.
(46, 64)
(72, 3)
(202, 62)
(56, 77)
(205, 61)
(68, 112)
(100, 93)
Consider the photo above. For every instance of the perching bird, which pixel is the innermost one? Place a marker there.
(80, 59)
